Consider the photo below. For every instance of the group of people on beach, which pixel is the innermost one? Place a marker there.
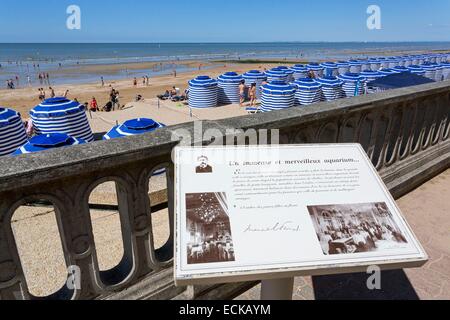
(44, 78)
(42, 94)
(243, 94)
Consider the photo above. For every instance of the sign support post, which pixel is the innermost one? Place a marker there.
(278, 289)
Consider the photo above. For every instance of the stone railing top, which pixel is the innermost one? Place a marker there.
(24, 170)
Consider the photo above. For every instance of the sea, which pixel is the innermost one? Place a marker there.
(29, 59)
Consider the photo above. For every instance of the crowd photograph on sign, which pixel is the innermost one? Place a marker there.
(356, 228)
(208, 229)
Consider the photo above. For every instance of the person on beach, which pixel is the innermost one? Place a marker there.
(94, 105)
(174, 73)
(66, 93)
(40, 78)
(29, 81)
(241, 93)
(252, 94)
(143, 81)
(135, 82)
(48, 78)
(41, 94)
(52, 92)
(112, 98)
(147, 80)
(103, 81)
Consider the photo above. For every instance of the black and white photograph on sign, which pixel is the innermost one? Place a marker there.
(208, 228)
(203, 165)
(356, 228)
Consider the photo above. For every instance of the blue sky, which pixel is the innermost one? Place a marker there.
(223, 21)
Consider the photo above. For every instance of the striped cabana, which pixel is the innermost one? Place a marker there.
(370, 75)
(408, 60)
(387, 71)
(330, 69)
(257, 77)
(203, 93)
(415, 59)
(343, 67)
(392, 62)
(355, 66)
(133, 127)
(446, 70)
(308, 92)
(276, 74)
(300, 71)
(430, 70)
(375, 64)
(384, 63)
(61, 115)
(228, 84)
(365, 64)
(331, 88)
(416, 70)
(289, 72)
(48, 141)
(277, 95)
(439, 72)
(353, 84)
(316, 69)
(12, 131)
(400, 69)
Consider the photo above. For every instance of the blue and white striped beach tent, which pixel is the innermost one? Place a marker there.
(315, 68)
(343, 67)
(375, 64)
(203, 93)
(384, 63)
(439, 72)
(392, 62)
(277, 95)
(330, 69)
(61, 115)
(408, 60)
(370, 75)
(432, 58)
(12, 131)
(355, 66)
(430, 70)
(400, 69)
(416, 70)
(300, 71)
(289, 72)
(365, 64)
(331, 88)
(48, 141)
(387, 71)
(276, 74)
(308, 92)
(133, 127)
(229, 88)
(415, 59)
(446, 70)
(353, 84)
(257, 77)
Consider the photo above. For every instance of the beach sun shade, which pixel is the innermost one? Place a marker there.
(330, 69)
(289, 72)
(331, 88)
(256, 77)
(446, 70)
(12, 131)
(203, 93)
(308, 92)
(316, 68)
(375, 64)
(277, 95)
(132, 128)
(399, 80)
(353, 84)
(229, 88)
(300, 71)
(343, 67)
(276, 74)
(387, 71)
(430, 70)
(416, 70)
(61, 115)
(401, 69)
(439, 72)
(48, 141)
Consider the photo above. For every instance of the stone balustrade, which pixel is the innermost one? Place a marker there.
(405, 133)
